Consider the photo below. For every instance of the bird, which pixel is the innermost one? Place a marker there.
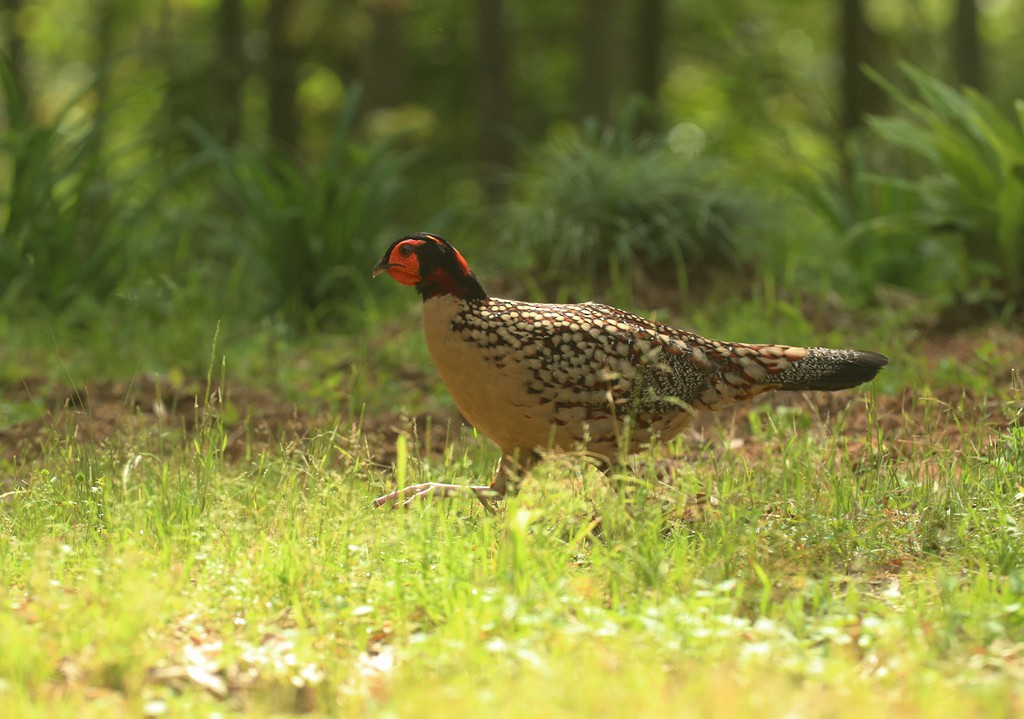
(537, 376)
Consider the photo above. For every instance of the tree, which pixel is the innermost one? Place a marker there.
(229, 70)
(16, 58)
(281, 72)
(859, 95)
(493, 93)
(107, 15)
(596, 54)
(649, 52)
(384, 67)
(966, 42)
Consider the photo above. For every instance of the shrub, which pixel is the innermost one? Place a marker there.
(868, 212)
(595, 201)
(974, 184)
(64, 218)
(313, 229)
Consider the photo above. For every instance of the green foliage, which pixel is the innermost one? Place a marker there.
(869, 212)
(313, 229)
(975, 185)
(67, 225)
(594, 201)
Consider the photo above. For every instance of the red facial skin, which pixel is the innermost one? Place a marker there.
(403, 264)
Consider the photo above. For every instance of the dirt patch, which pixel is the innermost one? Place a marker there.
(880, 428)
(150, 407)
(139, 413)
(255, 419)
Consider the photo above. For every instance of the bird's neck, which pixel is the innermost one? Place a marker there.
(440, 282)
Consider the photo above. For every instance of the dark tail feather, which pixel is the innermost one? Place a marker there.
(828, 370)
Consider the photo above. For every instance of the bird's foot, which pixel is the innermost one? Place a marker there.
(405, 497)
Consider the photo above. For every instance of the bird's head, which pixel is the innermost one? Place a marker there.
(431, 265)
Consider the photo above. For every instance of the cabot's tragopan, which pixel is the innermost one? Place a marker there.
(537, 376)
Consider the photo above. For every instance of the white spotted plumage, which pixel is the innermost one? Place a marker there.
(575, 374)
(534, 376)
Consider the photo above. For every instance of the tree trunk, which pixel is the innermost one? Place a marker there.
(859, 95)
(16, 64)
(282, 75)
(384, 71)
(596, 53)
(648, 53)
(104, 32)
(967, 53)
(493, 94)
(229, 70)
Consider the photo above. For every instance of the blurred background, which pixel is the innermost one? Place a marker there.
(173, 163)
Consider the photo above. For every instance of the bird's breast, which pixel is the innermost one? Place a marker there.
(485, 377)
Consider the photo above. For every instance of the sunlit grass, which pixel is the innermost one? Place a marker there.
(875, 572)
(826, 582)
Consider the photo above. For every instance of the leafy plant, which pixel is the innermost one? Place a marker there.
(868, 212)
(975, 186)
(593, 201)
(64, 219)
(313, 228)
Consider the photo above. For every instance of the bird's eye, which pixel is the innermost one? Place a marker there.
(405, 250)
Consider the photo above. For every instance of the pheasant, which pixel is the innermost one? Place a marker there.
(535, 376)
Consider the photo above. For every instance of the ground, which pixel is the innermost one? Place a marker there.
(103, 411)
(183, 546)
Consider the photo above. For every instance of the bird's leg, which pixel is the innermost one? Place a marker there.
(412, 493)
(486, 495)
(511, 469)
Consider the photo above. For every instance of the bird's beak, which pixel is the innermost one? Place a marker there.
(381, 267)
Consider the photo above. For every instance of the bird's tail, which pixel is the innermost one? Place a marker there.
(828, 369)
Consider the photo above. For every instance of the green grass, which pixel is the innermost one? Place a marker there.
(820, 588)
(875, 573)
